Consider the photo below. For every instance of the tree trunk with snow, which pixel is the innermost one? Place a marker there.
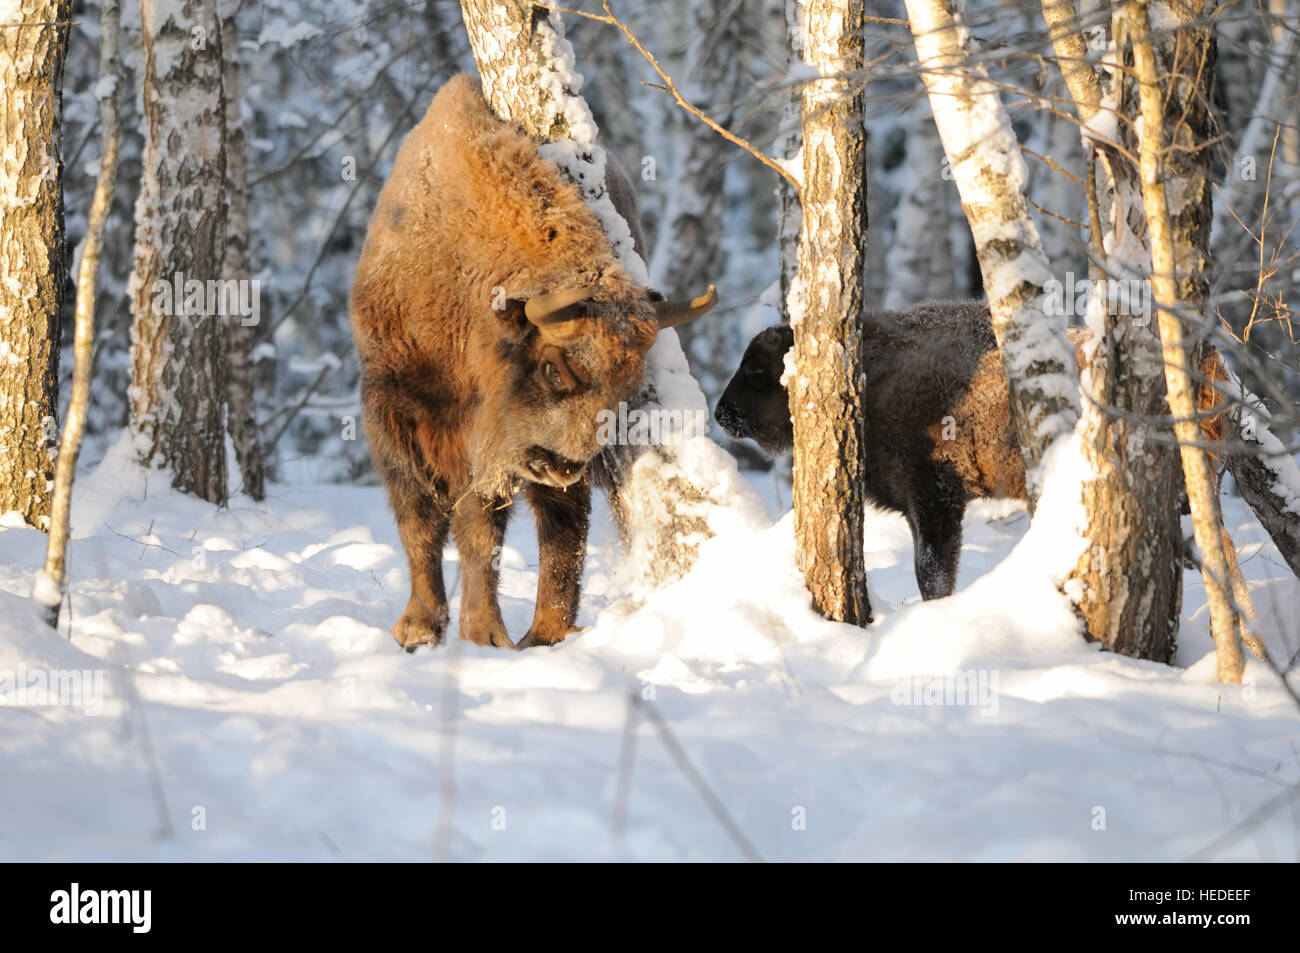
(1266, 475)
(32, 253)
(178, 345)
(1127, 583)
(985, 161)
(241, 419)
(1178, 278)
(663, 497)
(826, 388)
(52, 583)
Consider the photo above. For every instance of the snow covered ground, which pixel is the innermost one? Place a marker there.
(276, 718)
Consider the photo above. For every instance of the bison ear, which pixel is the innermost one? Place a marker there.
(513, 311)
(672, 313)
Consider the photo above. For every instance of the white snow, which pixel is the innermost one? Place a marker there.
(286, 723)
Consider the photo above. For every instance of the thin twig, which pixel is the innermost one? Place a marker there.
(697, 781)
(165, 829)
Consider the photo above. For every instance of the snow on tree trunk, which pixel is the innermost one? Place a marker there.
(666, 498)
(919, 264)
(241, 405)
(51, 584)
(178, 342)
(32, 254)
(1128, 585)
(985, 161)
(1178, 279)
(826, 381)
(1267, 478)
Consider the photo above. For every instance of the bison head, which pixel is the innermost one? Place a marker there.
(569, 354)
(754, 404)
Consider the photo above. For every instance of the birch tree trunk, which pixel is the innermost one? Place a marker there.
(1127, 584)
(178, 344)
(985, 161)
(241, 404)
(32, 253)
(1125, 531)
(51, 584)
(826, 392)
(1174, 275)
(663, 497)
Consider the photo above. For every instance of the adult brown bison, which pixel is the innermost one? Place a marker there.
(937, 419)
(493, 324)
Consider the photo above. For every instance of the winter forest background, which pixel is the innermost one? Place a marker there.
(253, 704)
(331, 89)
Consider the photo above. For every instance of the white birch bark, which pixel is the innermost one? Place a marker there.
(178, 346)
(52, 582)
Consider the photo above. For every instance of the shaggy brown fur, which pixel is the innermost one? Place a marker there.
(464, 399)
(938, 420)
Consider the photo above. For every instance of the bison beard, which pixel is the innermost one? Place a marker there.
(493, 324)
(937, 419)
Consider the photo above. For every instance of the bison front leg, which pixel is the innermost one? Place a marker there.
(422, 523)
(479, 527)
(562, 520)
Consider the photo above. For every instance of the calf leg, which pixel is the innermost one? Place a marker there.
(935, 520)
(422, 522)
(562, 521)
(479, 526)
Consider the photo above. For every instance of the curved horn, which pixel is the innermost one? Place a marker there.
(557, 306)
(672, 313)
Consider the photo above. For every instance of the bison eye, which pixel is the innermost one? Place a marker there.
(553, 375)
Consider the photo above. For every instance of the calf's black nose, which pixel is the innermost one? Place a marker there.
(725, 415)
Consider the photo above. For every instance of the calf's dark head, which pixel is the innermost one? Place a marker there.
(755, 405)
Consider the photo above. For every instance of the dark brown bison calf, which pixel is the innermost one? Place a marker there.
(938, 419)
(493, 324)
